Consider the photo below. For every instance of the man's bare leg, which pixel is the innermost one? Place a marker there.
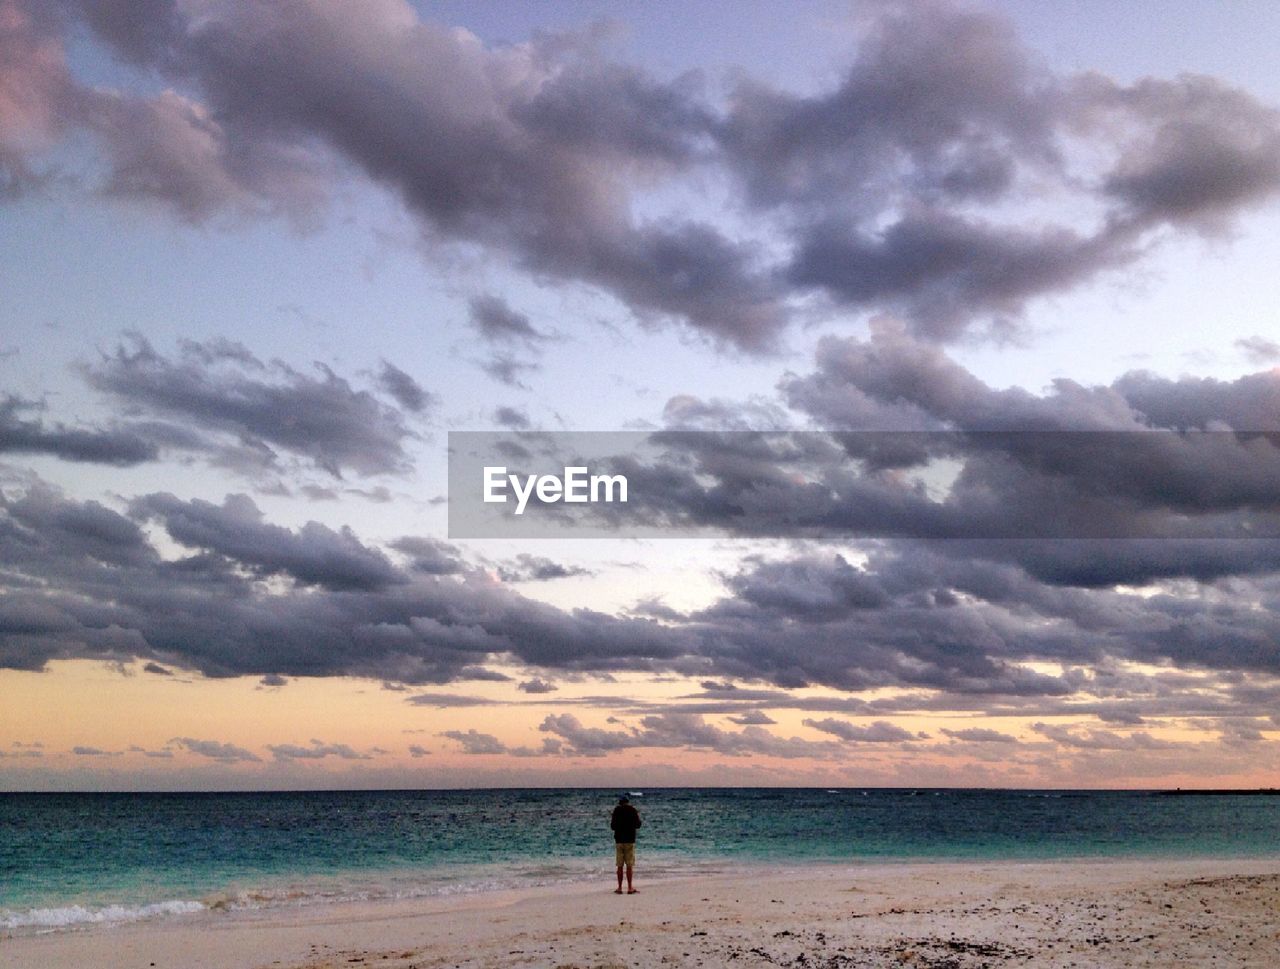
(619, 889)
(630, 890)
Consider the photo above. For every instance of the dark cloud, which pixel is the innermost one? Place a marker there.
(537, 568)
(1002, 617)
(944, 110)
(120, 447)
(41, 522)
(429, 555)
(619, 111)
(870, 188)
(894, 381)
(753, 718)
(1089, 739)
(39, 100)
(586, 741)
(139, 30)
(1121, 715)
(380, 495)
(980, 735)
(349, 610)
(1259, 349)
(939, 98)
(215, 750)
(408, 393)
(808, 590)
(484, 145)
(476, 743)
(171, 150)
(221, 387)
(446, 701)
(1202, 150)
(1248, 403)
(272, 681)
(162, 754)
(918, 446)
(312, 555)
(940, 270)
(687, 412)
(678, 730)
(692, 271)
(507, 369)
(157, 669)
(692, 732)
(494, 320)
(483, 674)
(1007, 628)
(536, 685)
(512, 418)
(318, 750)
(166, 149)
(93, 752)
(1240, 732)
(319, 493)
(879, 732)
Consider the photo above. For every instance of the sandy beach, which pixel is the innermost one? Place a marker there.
(1062, 914)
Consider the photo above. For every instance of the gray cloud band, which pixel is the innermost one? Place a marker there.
(974, 485)
(961, 620)
(539, 152)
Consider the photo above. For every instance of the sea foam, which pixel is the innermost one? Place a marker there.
(68, 916)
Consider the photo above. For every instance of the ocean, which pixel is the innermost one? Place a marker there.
(67, 860)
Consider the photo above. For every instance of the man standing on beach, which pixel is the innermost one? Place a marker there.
(625, 821)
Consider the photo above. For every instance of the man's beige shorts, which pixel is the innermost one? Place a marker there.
(626, 853)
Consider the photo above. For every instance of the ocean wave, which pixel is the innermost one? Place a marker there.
(380, 887)
(320, 891)
(70, 916)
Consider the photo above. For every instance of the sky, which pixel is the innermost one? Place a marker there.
(258, 260)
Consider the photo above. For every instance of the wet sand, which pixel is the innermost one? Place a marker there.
(1080, 914)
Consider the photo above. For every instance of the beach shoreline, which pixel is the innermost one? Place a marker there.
(1097, 912)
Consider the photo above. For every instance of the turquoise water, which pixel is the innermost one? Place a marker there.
(67, 859)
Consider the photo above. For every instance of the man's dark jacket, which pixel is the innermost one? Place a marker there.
(624, 822)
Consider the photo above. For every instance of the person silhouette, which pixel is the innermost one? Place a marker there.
(624, 822)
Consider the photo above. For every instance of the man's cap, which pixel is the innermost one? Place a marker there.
(623, 797)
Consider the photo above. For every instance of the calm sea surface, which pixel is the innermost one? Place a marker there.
(73, 859)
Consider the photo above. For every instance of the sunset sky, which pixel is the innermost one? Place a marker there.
(258, 259)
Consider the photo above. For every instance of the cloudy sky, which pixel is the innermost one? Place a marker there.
(257, 260)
